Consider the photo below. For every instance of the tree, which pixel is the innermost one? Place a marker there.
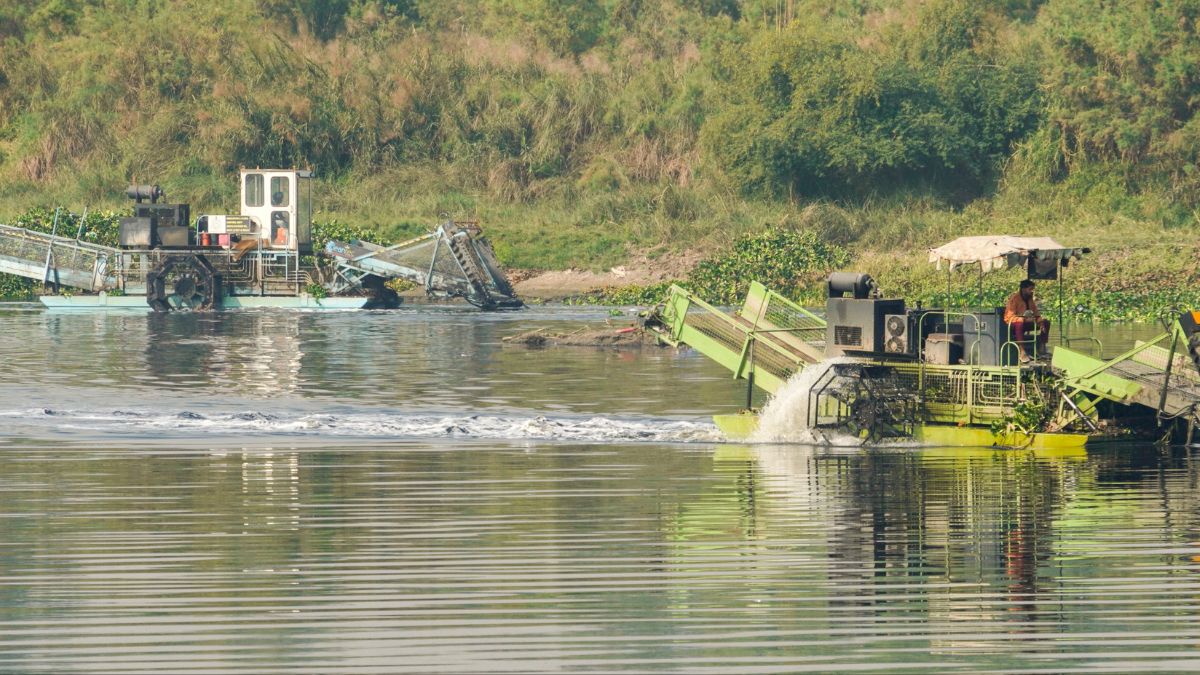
(813, 111)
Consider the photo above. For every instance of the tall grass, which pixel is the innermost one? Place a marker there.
(578, 149)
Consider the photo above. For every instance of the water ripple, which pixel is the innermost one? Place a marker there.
(275, 492)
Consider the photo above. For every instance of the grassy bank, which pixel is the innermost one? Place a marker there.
(1138, 270)
(1139, 267)
(584, 133)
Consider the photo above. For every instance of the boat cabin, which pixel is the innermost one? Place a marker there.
(276, 208)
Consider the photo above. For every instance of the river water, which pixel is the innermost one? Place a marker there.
(404, 492)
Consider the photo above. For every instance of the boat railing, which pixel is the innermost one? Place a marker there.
(236, 270)
(282, 268)
(961, 393)
(246, 273)
(967, 392)
(973, 355)
(1068, 341)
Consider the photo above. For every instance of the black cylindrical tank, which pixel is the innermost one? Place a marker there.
(858, 285)
(140, 192)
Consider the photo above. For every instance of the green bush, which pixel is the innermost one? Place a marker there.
(788, 261)
(629, 295)
(324, 231)
(815, 112)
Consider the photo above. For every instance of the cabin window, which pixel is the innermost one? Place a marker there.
(254, 189)
(279, 191)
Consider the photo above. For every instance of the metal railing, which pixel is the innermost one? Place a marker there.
(969, 393)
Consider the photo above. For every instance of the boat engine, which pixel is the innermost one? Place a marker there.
(856, 323)
(155, 225)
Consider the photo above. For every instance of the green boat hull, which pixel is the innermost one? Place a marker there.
(743, 425)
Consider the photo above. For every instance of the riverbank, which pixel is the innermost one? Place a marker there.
(1127, 284)
(573, 284)
(1138, 274)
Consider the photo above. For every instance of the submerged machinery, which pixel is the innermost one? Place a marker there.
(260, 257)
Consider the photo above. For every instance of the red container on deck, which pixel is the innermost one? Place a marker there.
(205, 239)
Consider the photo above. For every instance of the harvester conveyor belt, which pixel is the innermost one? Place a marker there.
(770, 337)
(1138, 377)
(58, 260)
(453, 261)
(1183, 393)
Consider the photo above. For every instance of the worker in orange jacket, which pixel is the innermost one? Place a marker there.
(1021, 314)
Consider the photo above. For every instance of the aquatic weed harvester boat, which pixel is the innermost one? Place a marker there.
(884, 370)
(261, 257)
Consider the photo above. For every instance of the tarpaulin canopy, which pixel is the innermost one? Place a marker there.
(998, 252)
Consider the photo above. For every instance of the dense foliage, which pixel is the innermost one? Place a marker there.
(580, 130)
(787, 261)
(813, 112)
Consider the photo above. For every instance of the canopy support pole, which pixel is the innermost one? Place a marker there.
(981, 286)
(1062, 327)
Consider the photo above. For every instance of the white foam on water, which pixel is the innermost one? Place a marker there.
(374, 425)
(784, 418)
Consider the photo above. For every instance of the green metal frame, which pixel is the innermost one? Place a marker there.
(960, 401)
(1088, 374)
(1103, 379)
(745, 336)
(958, 394)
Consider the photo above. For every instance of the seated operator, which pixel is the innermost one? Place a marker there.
(279, 227)
(1021, 314)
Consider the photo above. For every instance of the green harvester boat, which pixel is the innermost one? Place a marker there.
(877, 369)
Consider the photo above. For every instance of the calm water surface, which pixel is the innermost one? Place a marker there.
(404, 492)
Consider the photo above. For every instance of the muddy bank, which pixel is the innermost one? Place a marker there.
(560, 284)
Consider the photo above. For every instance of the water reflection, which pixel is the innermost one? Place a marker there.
(277, 552)
(731, 559)
(429, 359)
(985, 553)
